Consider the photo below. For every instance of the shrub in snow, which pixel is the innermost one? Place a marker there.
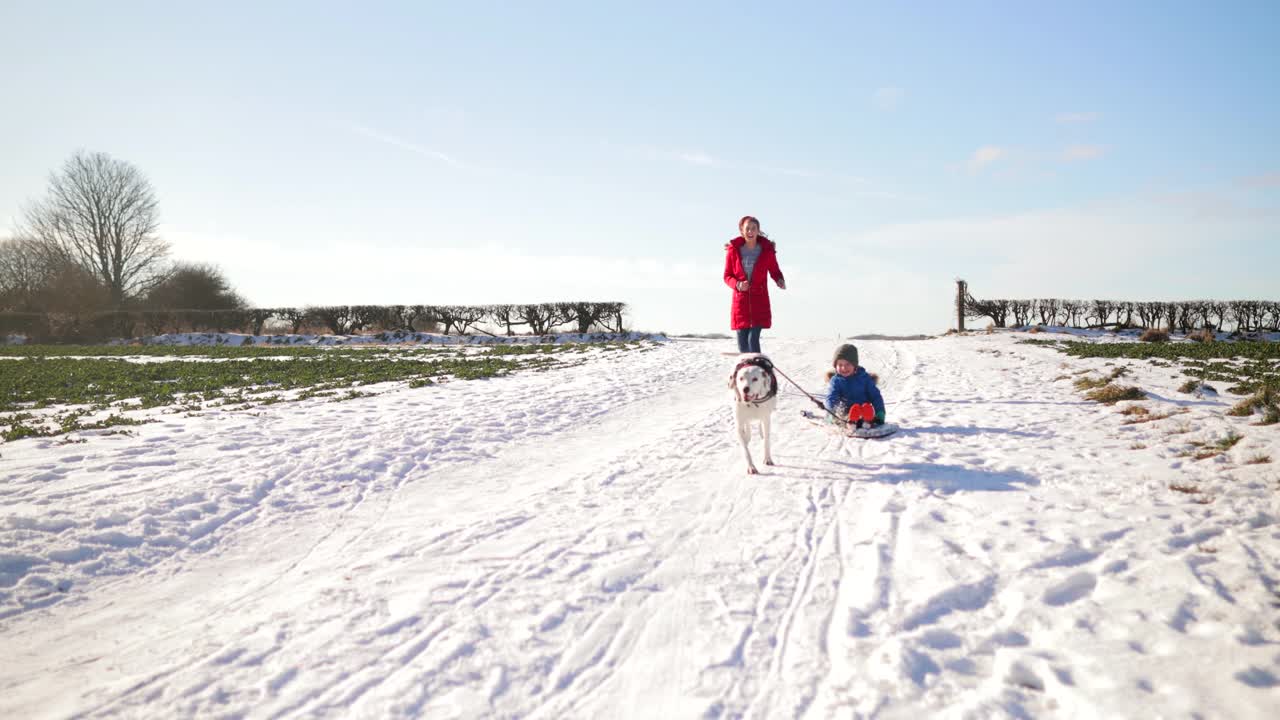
(1113, 393)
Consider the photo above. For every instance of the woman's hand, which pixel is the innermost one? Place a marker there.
(782, 284)
(743, 285)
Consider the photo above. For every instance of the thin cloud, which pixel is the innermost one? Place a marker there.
(888, 98)
(698, 158)
(883, 195)
(789, 172)
(652, 152)
(1083, 152)
(984, 156)
(410, 146)
(703, 159)
(1266, 180)
(1077, 118)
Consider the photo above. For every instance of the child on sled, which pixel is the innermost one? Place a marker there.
(851, 391)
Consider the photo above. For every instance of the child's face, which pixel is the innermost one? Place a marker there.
(844, 368)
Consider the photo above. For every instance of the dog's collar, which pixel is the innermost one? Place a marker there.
(765, 364)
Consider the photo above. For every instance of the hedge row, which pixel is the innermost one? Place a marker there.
(1182, 315)
(536, 319)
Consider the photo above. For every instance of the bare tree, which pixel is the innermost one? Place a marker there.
(1271, 315)
(102, 215)
(422, 318)
(369, 316)
(1099, 312)
(24, 272)
(1218, 314)
(258, 318)
(1048, 309)
(1149, 313)
(540, 317)
(337, 318)
(585, 314)
(506, 316)
(34, 280)
(194, 286)
(1021, 310)
(1124, 313)
(614, 310)
(997, 310)
(295, 316)
(459, 317)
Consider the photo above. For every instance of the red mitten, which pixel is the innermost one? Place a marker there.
(864, 412)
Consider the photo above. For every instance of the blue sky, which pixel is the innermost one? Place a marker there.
(502, 152)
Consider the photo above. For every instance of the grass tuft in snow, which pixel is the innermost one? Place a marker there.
(1266, 399)
(1229, 440)
(1090, 383)
(1112, 393)
(1251, 368)
(1139, 418)
(1205, 450)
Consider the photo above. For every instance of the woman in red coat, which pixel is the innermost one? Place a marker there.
(748, 260)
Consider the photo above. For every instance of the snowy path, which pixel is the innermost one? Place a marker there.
(584, 543)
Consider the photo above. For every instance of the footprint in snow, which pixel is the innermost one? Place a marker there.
(1077, 586)
(1256, 677)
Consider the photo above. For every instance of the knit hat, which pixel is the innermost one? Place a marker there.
(847, 352)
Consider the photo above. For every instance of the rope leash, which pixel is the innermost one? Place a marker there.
(772, 367)
(815, 400)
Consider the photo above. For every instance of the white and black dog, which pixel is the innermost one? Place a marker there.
(755, 395)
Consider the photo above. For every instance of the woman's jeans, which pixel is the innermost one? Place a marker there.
(749, 340)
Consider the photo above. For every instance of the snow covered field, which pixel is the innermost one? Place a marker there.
(584, 543)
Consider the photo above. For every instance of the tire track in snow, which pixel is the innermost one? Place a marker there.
(347, 539)
(605, 649)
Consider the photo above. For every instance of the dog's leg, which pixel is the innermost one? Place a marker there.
(764, 427)
(744, 434)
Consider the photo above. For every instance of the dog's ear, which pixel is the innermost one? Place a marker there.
(733, 379)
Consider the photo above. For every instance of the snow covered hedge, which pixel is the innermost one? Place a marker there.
(531, 318)
(1183, 315)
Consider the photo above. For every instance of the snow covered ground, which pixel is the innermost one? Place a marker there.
(585, 543)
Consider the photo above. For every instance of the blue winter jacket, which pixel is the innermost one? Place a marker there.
(858, 388)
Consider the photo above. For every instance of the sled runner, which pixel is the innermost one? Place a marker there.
(866, 431)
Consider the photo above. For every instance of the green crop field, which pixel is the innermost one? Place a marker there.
(1247, 366)
(53, 390)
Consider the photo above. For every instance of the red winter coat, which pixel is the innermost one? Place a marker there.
(751, 308)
